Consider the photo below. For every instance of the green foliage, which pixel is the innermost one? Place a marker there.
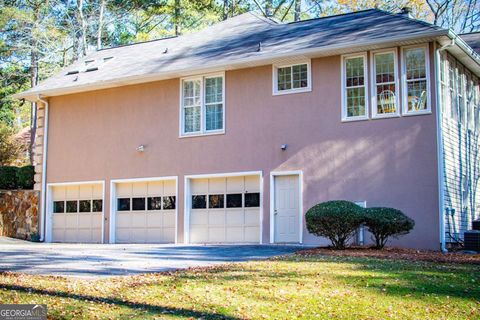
(8, 178)
(12, 178)
(8, 149)
(386, 222)
(336, 220)
(25, 177)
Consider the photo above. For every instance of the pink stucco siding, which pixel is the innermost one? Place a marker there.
(387, 162)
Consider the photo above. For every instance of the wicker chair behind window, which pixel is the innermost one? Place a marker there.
(387, 102)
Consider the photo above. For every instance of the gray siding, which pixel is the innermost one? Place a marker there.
(460, 137)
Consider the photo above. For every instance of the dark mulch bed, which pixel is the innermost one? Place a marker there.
(397, 254)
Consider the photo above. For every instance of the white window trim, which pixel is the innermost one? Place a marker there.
(275, 68)
(203, 131)
(345, 118)
(405, 111)
(373, 90)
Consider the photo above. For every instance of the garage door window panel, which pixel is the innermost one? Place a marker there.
(59, 207)
(155, 203)
(234, 200)
(216, 201)
(169, 203)
(138, 204)
(252, 200)
(123, 204)
(72, 206)
(97, 205)
(199, 202)
(85, 206)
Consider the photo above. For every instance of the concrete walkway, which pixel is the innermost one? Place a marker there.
(97, 260)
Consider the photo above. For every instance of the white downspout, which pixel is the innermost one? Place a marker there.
(441, 169)
(43, 192)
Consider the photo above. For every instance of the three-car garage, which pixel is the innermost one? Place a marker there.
(218, 208)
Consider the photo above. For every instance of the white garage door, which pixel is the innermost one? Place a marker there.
(145, 212)
(77, 213)
(225, 210)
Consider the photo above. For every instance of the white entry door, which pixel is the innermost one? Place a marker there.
(287, 208)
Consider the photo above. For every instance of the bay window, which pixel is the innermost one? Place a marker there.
(202, 105)
(415, 80)
(385, 84)
(354, 96)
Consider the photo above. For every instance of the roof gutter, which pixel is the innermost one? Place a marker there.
(43, 191)
(440, 151)
(456, 39)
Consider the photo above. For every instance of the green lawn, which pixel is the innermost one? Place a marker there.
(294, 287)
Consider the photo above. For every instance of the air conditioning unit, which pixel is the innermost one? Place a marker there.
(471, 240)
(476, 225)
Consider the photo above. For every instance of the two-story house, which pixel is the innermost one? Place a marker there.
(230, 134)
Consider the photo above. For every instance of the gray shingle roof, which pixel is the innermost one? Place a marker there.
(229, 42)
(473, 40)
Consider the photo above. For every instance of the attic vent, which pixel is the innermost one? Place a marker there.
(87, 62)
(165, 50)
(91, 69)
(106, 59)
(72, 72)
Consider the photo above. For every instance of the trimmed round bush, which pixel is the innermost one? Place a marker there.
(336, 220)
(8, 178)
(25, 177)
(384, 223)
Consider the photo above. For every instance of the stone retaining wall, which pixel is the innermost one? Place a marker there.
(19, 214)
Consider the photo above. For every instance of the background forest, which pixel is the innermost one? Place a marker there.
(39, 37)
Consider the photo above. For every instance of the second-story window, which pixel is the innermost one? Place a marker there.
(415, 64)
(354, 99)
(291, 78)
(203, 104)
(385, 87)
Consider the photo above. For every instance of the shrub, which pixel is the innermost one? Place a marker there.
(386, 222)
(25, 177)
(12, 178)
(8, 177)
(336, 220)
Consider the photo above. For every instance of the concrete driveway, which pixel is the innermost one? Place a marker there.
(97, 260)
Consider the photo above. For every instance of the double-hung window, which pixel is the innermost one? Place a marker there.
(385, 84)
(415, 63)
(354, 95)
(291, 78)
(203, 103)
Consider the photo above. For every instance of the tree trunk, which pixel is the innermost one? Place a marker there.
(83, 26)
(33, 81)
(176, 17)
(100, 25)
(269, 8)
(298, 10)
(225, 10)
